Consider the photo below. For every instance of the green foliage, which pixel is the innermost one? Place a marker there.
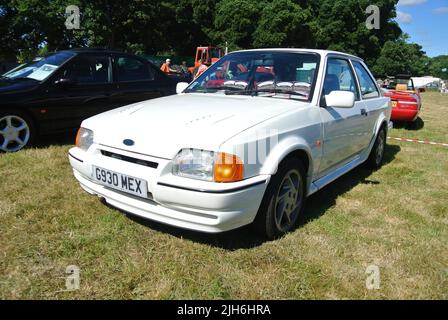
(176, 27)
(283, 23)
(187, 23)
(439, 67)
(122, 25)
(341, 25)
(236, 21)
(400, 57)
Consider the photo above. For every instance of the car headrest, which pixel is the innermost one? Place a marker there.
(401, 87)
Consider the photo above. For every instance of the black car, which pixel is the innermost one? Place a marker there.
(55, 93)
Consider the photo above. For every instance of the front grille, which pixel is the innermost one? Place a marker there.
(141, 162)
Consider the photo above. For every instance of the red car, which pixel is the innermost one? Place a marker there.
(406, 100)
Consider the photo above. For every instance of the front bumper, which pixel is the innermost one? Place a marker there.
(181, 202)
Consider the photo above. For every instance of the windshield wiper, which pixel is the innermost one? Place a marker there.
(217, 88)
(276, 90)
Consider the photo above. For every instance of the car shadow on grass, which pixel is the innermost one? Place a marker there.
(418, 124)
(246, 238)
(61, 139)
(321, 201)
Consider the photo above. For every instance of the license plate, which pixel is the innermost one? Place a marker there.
(394, 104)
(120, 181)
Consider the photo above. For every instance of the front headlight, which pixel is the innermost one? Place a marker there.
(208, 165)
(193, 163)
(84, 138)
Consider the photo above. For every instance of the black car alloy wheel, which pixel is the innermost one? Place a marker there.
(15, 132)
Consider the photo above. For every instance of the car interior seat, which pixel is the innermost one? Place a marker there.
(82, 72)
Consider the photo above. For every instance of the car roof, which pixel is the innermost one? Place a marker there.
(93, 50)
(298, 50)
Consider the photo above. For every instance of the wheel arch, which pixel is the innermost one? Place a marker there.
(23, 111)
(382, 121)
(290, 148)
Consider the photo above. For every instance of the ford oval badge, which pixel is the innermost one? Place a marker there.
(128, 142)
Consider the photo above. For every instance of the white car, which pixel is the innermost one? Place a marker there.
(246, 142)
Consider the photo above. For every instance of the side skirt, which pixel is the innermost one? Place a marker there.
(322, 182)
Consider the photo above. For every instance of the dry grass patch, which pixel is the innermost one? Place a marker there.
(396, 218)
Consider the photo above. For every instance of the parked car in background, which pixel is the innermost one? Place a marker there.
(249, 140)
(58, 91)
(405, 98)
(433, 86)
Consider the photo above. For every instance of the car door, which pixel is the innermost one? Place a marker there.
(78, 91)
(372, 101)
(342, 127)
(135, 80)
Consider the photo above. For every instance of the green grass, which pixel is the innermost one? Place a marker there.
(434, 118)
(395, 218)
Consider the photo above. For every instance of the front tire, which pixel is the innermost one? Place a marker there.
(16, 131)
(283, 201)
(376, 157)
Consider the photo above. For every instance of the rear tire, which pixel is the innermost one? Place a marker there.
(283, 201)
(17, 131)
(376, 157)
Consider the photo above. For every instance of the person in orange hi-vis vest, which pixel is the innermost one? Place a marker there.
(166, 66)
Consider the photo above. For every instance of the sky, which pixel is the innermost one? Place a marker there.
(426, 21)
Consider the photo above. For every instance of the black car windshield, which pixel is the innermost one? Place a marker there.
(276, 74)
(41, 69)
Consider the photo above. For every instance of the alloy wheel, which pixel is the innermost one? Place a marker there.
(380, 147)
(14, 133)
(288, 200)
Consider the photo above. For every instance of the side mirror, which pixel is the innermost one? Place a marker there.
(181, 86)
(340, 99)
(64, 82)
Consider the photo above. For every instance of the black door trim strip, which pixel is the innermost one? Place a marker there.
(75, 157)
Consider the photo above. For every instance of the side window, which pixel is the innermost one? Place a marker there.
(88, 70)
(367, 84)
(131, 69)
(339, 77)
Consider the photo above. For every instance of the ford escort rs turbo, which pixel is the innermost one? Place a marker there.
(246, 142)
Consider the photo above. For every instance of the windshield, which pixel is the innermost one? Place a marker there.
(39, 70)
(400, 84)
(269, 74)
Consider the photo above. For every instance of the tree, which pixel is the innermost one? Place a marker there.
(438, 67)
(178, 26)
(283, 23)
(341, 25)
(401, 57)
(190, 23)
(9, 33)
(133, 25)
(236, 21)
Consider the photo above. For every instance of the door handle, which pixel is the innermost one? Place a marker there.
(364, 112)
